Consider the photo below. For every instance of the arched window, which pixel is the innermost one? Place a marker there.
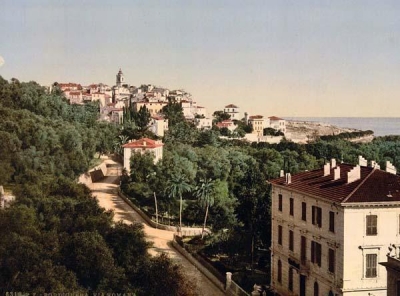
(279, 271)
(316, 289)
(331, 293)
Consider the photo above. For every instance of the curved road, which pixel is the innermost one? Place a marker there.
(106, 193)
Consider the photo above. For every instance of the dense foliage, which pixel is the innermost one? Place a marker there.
(239, 200)
(55, 237)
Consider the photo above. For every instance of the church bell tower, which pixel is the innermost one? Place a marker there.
(120, 78)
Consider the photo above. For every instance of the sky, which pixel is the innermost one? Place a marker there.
(284, 57)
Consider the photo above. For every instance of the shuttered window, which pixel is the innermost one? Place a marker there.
(370, 265)
(317, 216)
(372, 225)
(303, 211)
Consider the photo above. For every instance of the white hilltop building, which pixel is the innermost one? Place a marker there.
(331, 227)
(233, 111)
(158, 125)
(277, 123)
(142, 145)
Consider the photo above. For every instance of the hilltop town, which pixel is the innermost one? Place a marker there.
(113, 100)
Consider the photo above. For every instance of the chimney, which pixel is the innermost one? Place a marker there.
(282, 173)
(333, 163)
(375, 165)
(327, 169)
(354, 174)
(390, 168)
(336, 173)
(288, 178)
(362, 161)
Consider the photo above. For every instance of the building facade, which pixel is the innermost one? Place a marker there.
(330, 230)
(258, 124)
(233, 111)
(277, 123)
(142, 145)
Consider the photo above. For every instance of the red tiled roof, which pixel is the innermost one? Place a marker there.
(231, 106)
(74, 93)
(374, 185)
(275, 118)
(225, 123)
(157, 117)
(143, 143)
(256, 117)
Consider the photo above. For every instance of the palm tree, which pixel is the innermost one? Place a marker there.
(118, 143)
(176, 186)
(205, 194)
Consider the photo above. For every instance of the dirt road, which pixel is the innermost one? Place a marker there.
(106, 193)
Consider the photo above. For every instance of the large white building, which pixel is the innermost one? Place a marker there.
(142, 145)
(233, 111)
(277, 123)
(331, 227)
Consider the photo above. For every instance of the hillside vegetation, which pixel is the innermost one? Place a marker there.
(55, 237)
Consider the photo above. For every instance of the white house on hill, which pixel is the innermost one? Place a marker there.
(277, 123)
(233, 111)
(142, 145)
(331, 227)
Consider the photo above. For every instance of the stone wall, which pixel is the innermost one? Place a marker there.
(199, 266)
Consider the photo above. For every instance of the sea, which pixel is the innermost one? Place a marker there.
(381, 126)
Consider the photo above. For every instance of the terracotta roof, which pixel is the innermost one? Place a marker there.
(374, 185)
(157, 117)
(275, 118)
(256, 117)
(143, 143)
(74, 93)
(231, 106)
(225, 123)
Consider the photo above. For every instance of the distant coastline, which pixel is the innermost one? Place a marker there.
(381, 126)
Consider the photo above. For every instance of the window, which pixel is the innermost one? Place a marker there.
(280, 202)
(290, 283)
(372, 225)
(316, 253)
(316, 289)
(291, 240)
(370, 265)
(291, 211)
(303, 211)
(280, 234)
(331, 260)
(317, 216)
(303, 249)
(279, 271)
(332, 221)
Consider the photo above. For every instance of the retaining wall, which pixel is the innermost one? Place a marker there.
(199, 266)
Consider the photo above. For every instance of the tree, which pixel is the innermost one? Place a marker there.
(221, 116)
(176, 186)
(173, 112)
(205, 193)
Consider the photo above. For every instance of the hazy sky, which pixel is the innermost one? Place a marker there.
(285, 58)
